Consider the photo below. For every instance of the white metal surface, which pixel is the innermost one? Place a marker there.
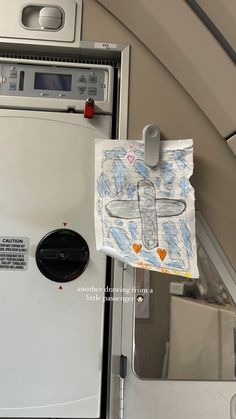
(51, 338)
(169, 399)
(207, 338)
(124, 94)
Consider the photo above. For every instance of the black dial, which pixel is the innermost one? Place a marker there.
(62, 255)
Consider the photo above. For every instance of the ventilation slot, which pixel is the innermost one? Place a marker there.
(98, 61)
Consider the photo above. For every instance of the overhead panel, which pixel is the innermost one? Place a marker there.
(223, 14)
(40, 20)
(181, 41)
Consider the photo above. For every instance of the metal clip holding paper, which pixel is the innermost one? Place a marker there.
(151, 137)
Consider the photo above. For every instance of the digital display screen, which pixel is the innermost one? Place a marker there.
(48, 81)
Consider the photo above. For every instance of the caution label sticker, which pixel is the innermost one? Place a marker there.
(14, 253)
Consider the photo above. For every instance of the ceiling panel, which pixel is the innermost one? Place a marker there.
(179, 39)
(223, 14)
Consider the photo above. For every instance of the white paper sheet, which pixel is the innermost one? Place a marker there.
(145, 217)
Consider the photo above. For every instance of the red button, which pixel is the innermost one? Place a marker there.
(89, 108)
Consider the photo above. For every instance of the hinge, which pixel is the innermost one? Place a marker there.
(123, 371)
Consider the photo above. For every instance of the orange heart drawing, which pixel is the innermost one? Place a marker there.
(162, 253)
(137, 247)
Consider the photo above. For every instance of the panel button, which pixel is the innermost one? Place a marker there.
(11, 86)
(92, 91)
(92, 78)
(82, 89)
(82, 79)
(50, 18)
(13, 74)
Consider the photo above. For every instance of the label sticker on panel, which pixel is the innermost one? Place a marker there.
(104, 45)
(14, 253)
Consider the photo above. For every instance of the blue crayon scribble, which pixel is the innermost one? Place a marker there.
(167, 174)
(165, 166)
(103, 185)
(158, 182)
(132, 226)
(130, 190)
(168, 178)
(165, 193)
(121, 239)
(170, 236)
(186, 235)
(120, 175)
(118, 152)
(150, 258)
(130, 258)
(107, 225)
(185, 185)
(119, 223)
(141, 168)
(139, 153)
(99, 207)
(179, 156)
(178, 264)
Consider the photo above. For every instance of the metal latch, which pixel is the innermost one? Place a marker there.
(151, 138)
(89, 108)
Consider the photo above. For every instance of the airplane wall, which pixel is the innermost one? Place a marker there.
(156, 97)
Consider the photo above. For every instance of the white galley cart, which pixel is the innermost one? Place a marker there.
(57, 95)
(51, 331)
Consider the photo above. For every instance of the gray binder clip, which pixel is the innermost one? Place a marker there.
(151, 137)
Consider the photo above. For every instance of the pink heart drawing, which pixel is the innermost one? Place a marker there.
(130, 158)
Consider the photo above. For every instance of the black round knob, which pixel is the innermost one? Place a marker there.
(62, 255)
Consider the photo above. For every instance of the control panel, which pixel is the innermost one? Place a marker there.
(42, 81)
